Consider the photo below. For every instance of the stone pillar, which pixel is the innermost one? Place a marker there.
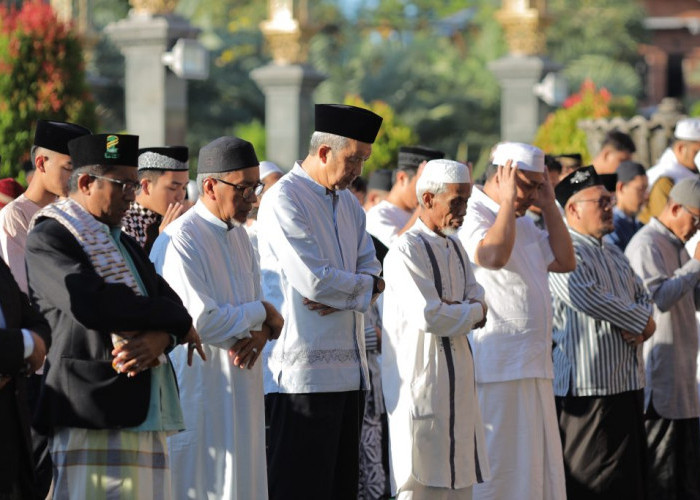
(521, 110)
(289, 115)
(156, 99)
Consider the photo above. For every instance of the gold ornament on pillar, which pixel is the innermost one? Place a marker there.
(153, 7)
(524, 22)
(287, 37)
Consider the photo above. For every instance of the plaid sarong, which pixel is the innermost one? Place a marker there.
(110, 464)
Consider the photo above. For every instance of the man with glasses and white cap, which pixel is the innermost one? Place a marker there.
(672, 407)
(602, 314)
(432, 302)
(207, 258)
(679, 161)
(513, 352)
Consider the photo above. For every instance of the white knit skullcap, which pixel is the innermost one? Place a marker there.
(688, 129)
(267, 168)
(525, 156)
(443, 172)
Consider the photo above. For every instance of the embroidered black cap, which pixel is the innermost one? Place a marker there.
(105, 149)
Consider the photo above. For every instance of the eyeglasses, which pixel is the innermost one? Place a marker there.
(696, 218)
(246, 191)
(603, 202)
(126, 185)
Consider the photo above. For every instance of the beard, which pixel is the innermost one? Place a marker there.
(449, 230)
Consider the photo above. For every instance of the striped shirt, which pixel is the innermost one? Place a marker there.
(592, 304)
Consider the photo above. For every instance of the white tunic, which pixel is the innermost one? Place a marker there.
(221, 454)
(516, 342)
(427, 367)
(314, 245)
(385, 220)
(14, 225)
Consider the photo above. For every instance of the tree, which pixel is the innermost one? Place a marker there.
(41, 76)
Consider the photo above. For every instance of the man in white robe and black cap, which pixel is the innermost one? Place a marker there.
(207, 258)
(513, 352)
(432, 302)
(315, 248)
(163, 175)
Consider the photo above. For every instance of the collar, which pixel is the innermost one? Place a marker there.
(201, 209)
(146, 212)
(479, 196)
(659, 227)
(299, 171)
(585, 238)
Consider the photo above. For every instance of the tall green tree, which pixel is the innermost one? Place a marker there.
(41, 76)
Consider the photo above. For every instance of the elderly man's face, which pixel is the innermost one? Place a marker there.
(344, 166)
(108, 197)
(590, 211)
(236, 194)
(447, 209)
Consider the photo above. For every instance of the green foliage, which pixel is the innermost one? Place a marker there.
(392, 135)
(694, 109)
(598, 40)
(41, 76)
(253, 132)
(559, 134)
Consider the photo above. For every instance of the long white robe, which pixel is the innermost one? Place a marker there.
(221, 454)
(429, 390)
(313, 244)
(14, 226)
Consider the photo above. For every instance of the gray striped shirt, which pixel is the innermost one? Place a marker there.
(592, 304)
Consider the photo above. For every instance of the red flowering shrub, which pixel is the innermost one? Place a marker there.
(42, 75)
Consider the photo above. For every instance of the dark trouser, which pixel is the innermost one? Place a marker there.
(604, 446)
(40, 444)
(314, 445)
(674, 456)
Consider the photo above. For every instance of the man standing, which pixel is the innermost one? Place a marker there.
(671, 276)
(602, 314)
(512, 352)
(53, 169)
(207, 258)
(678, 162)
(24, 338)
(396, 214)
(631, 195)
(432, 301)
(316, 248)
(109, 396)
(163, 174)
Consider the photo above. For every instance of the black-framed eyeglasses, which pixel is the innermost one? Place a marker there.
(696, 218)
(246, 191)
(603, 202)
(128, 186)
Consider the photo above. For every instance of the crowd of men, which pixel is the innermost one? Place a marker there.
(307, 335)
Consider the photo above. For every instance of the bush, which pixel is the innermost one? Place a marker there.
(41, 76)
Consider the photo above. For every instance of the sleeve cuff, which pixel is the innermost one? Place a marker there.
(28, 342)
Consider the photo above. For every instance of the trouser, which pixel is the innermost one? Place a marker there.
(604, 446)
(314, 445)
(674, 456)
(40, 444)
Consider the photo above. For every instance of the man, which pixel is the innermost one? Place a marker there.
(207, 258)
(378, 187)
(53, 169)
(602, 314)
(671, 277)
(631, 195)
(24, 338)
(616, 148)
(397, 213)
(678, 162)
(109, 396)
(316, 249)
(554, 169)
(163, 175)
(512, 352)
(270, 173)
(432, 301)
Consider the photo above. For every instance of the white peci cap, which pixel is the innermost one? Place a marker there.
(525, 156)
(688, 129)
(267, 168)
